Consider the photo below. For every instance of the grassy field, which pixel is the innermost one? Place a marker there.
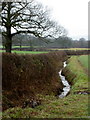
(39, 52)
(50, 48)
(84, 59)
(21, 46)
(73, 106)
(29, 52)
(72, 49)
(26, 52)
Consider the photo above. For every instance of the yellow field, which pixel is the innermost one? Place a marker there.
(72, 49)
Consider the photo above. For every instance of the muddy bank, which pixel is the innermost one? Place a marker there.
(25, 76)
(69, 75)
(77, 52)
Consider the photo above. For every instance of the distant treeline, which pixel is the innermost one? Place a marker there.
(61, 42)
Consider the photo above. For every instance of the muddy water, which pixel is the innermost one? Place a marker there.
(66, 89)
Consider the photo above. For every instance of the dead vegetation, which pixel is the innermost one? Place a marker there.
(24, 76)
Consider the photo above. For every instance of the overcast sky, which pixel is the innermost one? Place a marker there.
(71, 14)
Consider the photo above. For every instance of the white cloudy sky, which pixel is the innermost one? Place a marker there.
(71, 14)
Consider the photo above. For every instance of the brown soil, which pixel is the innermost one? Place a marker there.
(69, 75)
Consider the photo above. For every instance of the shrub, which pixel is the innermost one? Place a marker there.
(24, 76)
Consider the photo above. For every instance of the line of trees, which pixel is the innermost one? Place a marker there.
(60, 42)
(67, 42)
(27, 18)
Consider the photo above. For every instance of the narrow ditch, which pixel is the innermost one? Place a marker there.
(66, 89)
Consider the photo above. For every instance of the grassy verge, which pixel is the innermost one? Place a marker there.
(81, 79)
(84, 60)
(73, 106)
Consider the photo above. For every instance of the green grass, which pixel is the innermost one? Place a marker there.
(84, 60)
(26, 46)
(26, 52)
(2, 50)
(81, 79)
(53, 108)
(21, 46)
(72, 106)
(29, 52)
(50, 48)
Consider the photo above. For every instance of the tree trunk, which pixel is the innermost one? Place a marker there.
(20, 45)
(8, 45)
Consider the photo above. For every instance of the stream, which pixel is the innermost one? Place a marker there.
(66, 89)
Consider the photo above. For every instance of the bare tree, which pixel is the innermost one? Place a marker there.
(29, 18)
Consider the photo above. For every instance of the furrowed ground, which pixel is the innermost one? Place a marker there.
(72, 106)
